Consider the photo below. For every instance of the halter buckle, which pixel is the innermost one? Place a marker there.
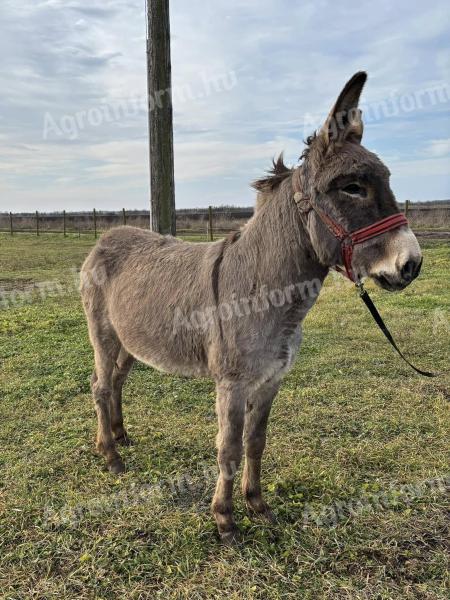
(360, 287)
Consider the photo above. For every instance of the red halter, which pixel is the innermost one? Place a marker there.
(349, 240)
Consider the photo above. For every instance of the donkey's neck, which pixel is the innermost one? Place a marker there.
(275, 248)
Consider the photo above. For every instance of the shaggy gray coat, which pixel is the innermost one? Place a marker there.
(233, 309)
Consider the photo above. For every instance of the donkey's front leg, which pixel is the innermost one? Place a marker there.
(230, 406)
(256, 416)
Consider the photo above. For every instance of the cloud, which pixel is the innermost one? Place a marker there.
(439, 148)
(286, 61)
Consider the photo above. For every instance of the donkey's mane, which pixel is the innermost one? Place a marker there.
(279, 171)
(308, 143)
(276, 175)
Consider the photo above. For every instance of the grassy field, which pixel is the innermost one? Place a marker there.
(355, 467)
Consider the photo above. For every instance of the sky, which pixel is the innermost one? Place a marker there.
(251, 78)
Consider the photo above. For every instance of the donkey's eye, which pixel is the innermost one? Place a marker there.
(355, 189)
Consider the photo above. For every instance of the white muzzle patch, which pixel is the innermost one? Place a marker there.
(400, 248)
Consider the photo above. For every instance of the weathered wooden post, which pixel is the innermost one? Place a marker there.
(406, 207)
(11, 223)
(94, 214)
(160, 126)
(210, 223)
(37, 223)
(124, 216)
(64, 223)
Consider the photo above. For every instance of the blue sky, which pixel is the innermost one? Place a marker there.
(251, 78)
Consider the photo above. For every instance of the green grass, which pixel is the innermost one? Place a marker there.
(351, 422)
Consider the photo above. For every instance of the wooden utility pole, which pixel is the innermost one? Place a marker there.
(160, 125)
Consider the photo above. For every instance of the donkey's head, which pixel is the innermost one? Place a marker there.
(351, 185)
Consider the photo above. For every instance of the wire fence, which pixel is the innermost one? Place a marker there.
(208, 223)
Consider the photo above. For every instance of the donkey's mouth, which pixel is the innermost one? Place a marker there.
(391, 284)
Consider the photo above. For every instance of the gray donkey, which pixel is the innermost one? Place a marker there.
(232, 309)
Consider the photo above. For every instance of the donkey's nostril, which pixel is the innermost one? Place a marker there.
(419, 266)
(410, 270)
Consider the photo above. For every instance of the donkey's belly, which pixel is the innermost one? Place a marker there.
(161, 350)
(170, 366)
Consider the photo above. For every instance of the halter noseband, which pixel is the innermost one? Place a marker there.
(349, 239)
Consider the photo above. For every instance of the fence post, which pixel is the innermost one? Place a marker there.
(124, 216)
(10, 223)
(64, 222)
(37, 223)
(406, 207)
(94, 213)
(210, 222)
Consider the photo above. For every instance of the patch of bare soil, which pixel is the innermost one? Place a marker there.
(23, 284)
(433, 235)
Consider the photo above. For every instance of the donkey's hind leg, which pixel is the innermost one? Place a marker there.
(106, 349)
(121, 370)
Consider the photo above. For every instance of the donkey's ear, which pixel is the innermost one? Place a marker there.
(344, 121)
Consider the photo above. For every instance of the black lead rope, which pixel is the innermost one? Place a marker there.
(379, 321)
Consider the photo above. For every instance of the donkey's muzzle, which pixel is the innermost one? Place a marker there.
(393, 283)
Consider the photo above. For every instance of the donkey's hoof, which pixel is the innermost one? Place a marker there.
(124, 440)
(261, 510)
(232, 537)
(116, 466)
(266, 515)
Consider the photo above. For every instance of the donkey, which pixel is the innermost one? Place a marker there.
(232, 309)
